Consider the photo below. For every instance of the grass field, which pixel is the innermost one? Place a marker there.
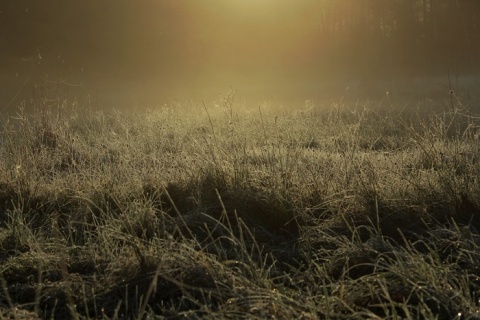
(220, 211)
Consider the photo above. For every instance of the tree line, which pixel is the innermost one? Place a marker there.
(429, 35)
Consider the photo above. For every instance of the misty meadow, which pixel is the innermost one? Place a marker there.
(240, 159)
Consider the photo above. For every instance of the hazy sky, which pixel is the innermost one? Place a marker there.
(122, 51)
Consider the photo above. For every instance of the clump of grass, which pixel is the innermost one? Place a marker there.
(220, 212)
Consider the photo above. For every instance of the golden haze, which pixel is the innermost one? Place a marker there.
(149, 51)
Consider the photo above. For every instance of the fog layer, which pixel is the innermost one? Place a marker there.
(146, 52)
